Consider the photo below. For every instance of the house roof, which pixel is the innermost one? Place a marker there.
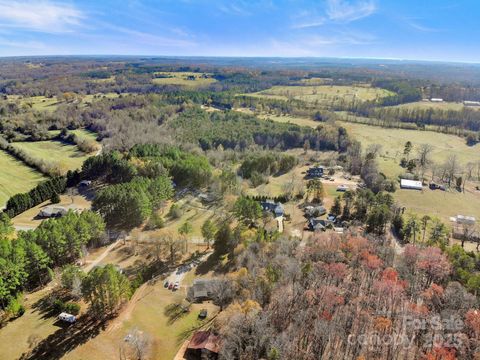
(204, 340)
(200, 288)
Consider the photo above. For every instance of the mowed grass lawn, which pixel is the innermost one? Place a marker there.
(68, 157)
(85, 134)
(324, 93)
(15, 177)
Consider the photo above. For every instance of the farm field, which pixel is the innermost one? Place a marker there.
(85, 134)
(424, 105)
(323, 93)
(300, 121)
(16, 177)
(37, 103)
(433, 203)
(50, 104)
(68, 157)
(393, 142)
(182, 78)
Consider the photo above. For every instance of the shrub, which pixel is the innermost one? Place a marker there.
(155, 222)
(55, 199)
(15, 307)
(72, 308)
(175, 212)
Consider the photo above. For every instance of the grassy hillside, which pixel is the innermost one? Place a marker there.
(68, 157)
(15, 177)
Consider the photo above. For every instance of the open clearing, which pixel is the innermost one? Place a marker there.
(425, 105)
(300, 121)
(323, 93)
(31, 327)
(393, 142)
(16, 177)
(187, 79)
(28, 219)
(85, 134)
(442, 204)
(50, 104)
(68, 157)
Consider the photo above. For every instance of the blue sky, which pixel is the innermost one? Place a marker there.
(400, 29)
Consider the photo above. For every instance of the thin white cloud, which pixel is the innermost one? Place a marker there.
(36, 45)
(310, 23)
(234, 9)
(42, 16)
(347, 11)
(151, 39)
(422, 28)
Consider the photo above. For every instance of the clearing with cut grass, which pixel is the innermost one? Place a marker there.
(16, 177)
(65, 156)
(444, 105)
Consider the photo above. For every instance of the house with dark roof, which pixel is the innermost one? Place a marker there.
(319, 224)
(200, 290)
(314, 211)
(276, 208)
(315, 172)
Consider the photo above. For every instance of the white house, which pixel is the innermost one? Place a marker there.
(462, 219)
(471, 103)
(411, 184)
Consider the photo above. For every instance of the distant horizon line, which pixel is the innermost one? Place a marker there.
(244, 57)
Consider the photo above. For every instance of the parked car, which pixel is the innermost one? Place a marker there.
(170, 286)
(176, 286)
(203, 314)
(165, 284)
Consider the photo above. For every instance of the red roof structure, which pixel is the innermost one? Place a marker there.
(204, 340)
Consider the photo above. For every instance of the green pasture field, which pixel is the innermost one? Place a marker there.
(69, 157)
(324, 93)
(16, 177)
